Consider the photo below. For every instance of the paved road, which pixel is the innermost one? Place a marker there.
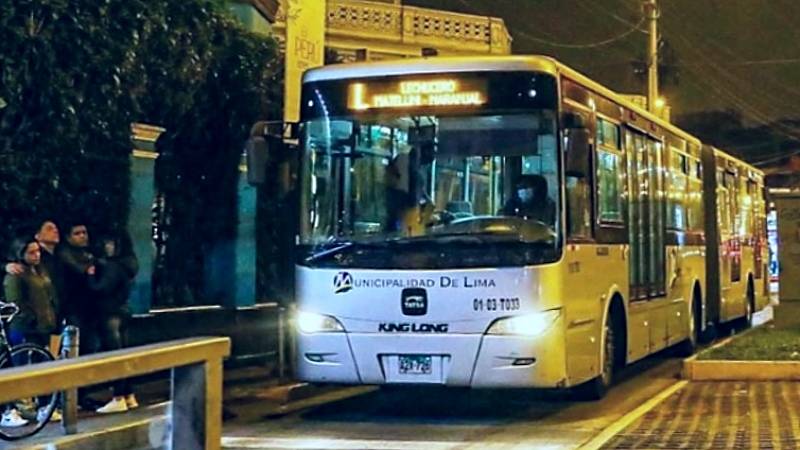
(436, 419)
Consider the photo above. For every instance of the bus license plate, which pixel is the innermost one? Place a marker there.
(415, 365)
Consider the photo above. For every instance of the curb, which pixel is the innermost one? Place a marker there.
(146, 433)
(717, 370)
(299, 391)
(738, 370)
(688, 365)
(291, 392)
(320, 396)
(303, 391)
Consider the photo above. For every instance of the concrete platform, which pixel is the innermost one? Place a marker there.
(246, 390)
(145, 427)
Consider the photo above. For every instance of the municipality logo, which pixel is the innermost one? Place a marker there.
(342, 282)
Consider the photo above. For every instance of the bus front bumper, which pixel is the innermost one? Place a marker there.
(484, 361)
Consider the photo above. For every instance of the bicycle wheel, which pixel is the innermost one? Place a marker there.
(32, 413)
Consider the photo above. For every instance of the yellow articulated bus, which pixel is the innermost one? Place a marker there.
(738, 254)
(508, 222)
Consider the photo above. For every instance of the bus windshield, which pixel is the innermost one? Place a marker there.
(410, 184)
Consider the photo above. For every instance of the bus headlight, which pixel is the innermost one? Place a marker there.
(527, 325)
(309, 322)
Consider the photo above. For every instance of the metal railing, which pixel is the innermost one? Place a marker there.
(196, 387)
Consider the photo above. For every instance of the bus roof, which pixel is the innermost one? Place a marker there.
(538, 63)
(738, 162)
(416, 66)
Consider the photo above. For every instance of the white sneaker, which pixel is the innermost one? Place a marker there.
(130, 401)
(55, 417)
(12, 419)
(116, 405)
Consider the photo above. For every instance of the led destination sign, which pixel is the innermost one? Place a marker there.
(441, 93)
(415, 93)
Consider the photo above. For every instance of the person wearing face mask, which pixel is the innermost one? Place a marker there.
(530, 200)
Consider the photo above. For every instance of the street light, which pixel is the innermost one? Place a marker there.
(660, 102)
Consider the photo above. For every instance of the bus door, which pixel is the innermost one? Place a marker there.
(646, 212)
(646, 234)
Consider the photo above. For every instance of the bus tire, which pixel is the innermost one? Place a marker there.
(613, 353)
(750, 305)
(689, 346)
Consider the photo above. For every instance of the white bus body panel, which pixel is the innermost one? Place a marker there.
(462, 356)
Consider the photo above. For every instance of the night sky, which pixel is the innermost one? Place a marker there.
(726, 54)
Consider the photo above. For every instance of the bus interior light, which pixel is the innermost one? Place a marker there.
(526, 325)
(309, 322)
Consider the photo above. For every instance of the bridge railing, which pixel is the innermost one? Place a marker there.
(196, 387)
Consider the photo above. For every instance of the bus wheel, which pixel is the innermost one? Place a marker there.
(596, 388)
(750, 302)
(689, 346)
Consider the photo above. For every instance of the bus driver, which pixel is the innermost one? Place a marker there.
(530, 201)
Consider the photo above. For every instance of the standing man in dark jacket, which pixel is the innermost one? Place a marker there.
(116, 269)
(78, 301)
(77, 304)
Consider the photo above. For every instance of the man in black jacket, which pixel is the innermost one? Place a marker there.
(77, 263)
(116, 268)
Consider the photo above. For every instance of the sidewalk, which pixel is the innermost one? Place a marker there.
(723, 415)
(719, 415)
(247, 391)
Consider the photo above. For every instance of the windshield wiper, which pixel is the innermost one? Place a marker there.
(480, 237)
(329, 251)
(485, 237)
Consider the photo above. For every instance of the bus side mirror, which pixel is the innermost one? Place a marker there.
(262, 149)
(576, 145)
(257, 154)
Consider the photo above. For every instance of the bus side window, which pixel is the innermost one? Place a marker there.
(577, 147)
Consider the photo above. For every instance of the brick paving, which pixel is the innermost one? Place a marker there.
(720, 415)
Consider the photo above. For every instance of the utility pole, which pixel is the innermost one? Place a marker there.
(651, 9)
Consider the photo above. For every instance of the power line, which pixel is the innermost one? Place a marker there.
(591, 5)
(721, 92)
(753, 62)
(733, 55)
(773, 159)
(581, 46)
(633, 28)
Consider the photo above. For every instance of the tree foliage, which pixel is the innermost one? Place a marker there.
(75, 74)
(207, 120)
(65, 133)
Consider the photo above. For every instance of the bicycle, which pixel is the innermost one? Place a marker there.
(38, 410)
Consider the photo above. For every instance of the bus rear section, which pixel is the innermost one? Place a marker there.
(736, 263)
